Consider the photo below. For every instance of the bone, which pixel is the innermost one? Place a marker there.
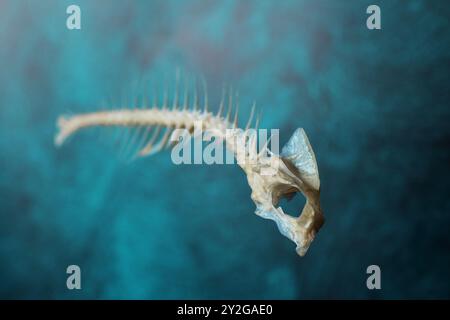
(295, 170)
(270, 176)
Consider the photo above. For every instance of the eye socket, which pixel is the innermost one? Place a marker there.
(292, 203)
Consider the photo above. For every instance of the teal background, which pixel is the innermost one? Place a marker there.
(373, 103)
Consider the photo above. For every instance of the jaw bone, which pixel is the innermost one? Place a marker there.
(295, 170)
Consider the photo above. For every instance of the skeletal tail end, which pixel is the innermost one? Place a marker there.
(64, 130)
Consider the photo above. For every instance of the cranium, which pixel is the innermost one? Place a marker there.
(294, 170)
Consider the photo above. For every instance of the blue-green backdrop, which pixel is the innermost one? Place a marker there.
(375, 105)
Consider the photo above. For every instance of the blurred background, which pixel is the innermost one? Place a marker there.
(373, 103)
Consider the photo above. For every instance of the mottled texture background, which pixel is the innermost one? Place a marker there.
(375, 105)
